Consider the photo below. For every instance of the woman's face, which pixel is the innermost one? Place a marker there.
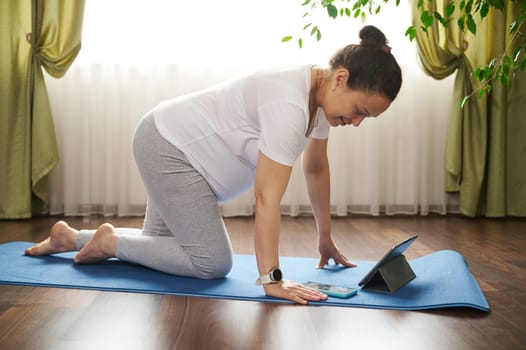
(343, 106)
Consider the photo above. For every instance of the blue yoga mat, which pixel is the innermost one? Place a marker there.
(442, 279)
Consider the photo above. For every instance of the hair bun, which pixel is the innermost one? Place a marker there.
(372, 37)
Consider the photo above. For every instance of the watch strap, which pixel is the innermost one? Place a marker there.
(264, 279)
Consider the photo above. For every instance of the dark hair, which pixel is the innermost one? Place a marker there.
(372, 67)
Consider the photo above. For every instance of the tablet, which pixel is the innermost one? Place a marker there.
(394, 252)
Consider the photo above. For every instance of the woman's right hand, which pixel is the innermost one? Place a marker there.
(293, 291)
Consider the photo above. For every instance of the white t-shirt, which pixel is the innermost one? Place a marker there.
(222, 129)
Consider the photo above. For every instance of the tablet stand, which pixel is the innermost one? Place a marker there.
(390, 276)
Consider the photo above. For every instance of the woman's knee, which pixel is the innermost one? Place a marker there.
(217, 267)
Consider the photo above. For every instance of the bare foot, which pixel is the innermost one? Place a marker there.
(61, 239)
(100, 247)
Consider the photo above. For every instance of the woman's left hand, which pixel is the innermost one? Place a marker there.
(328, 250)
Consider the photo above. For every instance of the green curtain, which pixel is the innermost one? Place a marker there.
(486, 140)
(33, 34)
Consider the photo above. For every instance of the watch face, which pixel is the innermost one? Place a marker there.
(277, 275)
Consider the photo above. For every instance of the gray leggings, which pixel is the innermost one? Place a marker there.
(183, 233)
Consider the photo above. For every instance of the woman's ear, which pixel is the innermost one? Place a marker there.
(342, 76)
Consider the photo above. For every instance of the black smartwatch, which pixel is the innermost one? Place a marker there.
(273, 276)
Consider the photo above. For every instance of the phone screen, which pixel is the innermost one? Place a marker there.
(332, 290)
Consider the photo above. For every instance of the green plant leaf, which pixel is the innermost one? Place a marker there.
(480, 73)
(286, 38)
(495, 78)
(450, 9)
(513, 27)
(357, 13)
(492, 63)
(439, 18)
(516, 54)
(498, 4)
(463, 102)
(332, 11)
(484, 9)
(469, 6)
(505, 80)
(300, 42)
(411, 33)
(426, 18)
(505, 69)
(461, 22)
(471, 25)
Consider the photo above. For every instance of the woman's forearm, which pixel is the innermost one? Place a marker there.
(317, 176)
(318, 185)
(271, 181)
(266, 240)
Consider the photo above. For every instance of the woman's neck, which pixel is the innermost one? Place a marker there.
(318, 82)
(317, 85)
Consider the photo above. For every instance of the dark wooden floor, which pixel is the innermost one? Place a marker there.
(49, 318)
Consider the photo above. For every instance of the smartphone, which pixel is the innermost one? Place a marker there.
(332, 290)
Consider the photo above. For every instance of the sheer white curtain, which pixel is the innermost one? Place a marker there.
(137, 53)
